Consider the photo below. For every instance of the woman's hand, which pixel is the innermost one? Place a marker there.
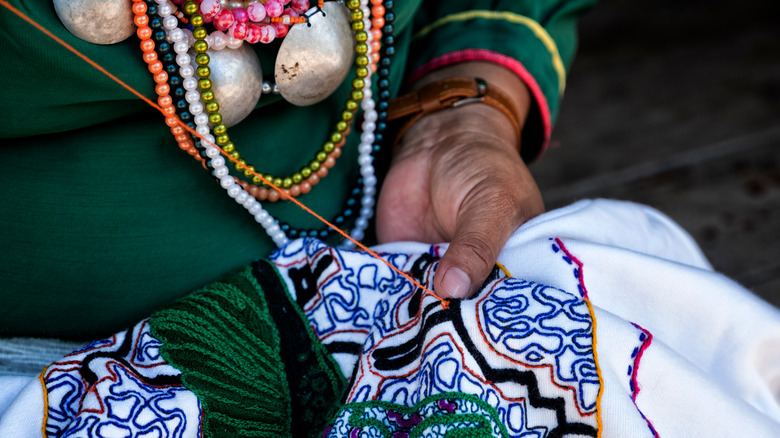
(457, 177)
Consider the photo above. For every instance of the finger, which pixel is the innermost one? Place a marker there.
(471, 254)
(484, 225)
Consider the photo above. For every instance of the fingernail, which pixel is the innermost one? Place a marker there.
(456, 283)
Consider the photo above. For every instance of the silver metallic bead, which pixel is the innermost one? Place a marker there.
(314, 60)
(97, 21)
(237, 82)
(266, 87)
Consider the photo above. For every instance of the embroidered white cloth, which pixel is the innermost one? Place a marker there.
(681, 349)
(612, 324)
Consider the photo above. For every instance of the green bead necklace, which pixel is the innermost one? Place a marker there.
(335, 140)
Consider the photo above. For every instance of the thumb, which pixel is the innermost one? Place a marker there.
(479, 236)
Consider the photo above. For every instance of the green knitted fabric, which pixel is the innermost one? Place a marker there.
(245, 349)
(223, 340)
(317, 386)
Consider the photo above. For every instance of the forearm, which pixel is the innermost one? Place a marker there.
(534, 39)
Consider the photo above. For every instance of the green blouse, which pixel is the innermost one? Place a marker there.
(104, 219)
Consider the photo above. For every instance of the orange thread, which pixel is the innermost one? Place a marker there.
(581, 280)
(503, 269)
(77, 53)
(8, 6)
(45, 401)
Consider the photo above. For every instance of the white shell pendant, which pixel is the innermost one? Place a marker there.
(314, 60)
(237, 82)
(97, 21)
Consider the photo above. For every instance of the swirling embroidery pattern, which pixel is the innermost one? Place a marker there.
(341, 293)
(523, 349)
(538, 326)
(119, 386)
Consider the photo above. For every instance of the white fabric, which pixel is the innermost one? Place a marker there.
(714, 361)
(713, 366)
(11, 385)
(24, 417)
(682, 350)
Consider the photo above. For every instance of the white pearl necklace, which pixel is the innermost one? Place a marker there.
(218, 40)
(181, 45)
(182, 40)
(367, 137)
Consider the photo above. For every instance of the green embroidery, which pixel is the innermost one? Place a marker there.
(469, 424)
(482, 429)
(223, 340)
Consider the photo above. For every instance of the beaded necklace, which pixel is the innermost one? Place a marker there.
(227, 182)
(374, 126)
(197, 118)
(156, 15)
(325, 157)
(144, 32)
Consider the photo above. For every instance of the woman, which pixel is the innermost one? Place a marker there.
(105, 220)
(569, 335)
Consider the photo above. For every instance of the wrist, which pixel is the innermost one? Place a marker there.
(498, 77)
(452, 89)
(461, 127)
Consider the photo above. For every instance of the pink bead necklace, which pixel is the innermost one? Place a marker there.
(253, 21)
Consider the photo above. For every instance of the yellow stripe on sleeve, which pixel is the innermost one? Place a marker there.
(535, 27)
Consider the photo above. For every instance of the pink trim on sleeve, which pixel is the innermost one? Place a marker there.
(496, 58)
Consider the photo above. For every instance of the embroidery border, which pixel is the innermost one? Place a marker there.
(581, 280)
(42, 379)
